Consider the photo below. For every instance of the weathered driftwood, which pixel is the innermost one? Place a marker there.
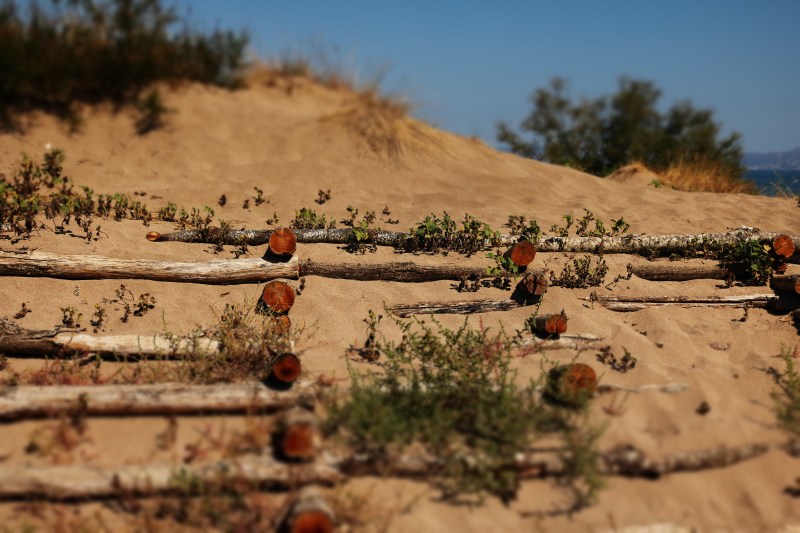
(29, 401)
(626, 460)
(79, 482)
(84, 482)
(677, 271)
(567, 341)
(637, 303)
(406, 271)
(786, 283)
(18, 341)
(627, 244)
(462, 307)
(669, 388)
(44, 264)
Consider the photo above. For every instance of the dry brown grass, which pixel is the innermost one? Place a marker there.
(699, 176)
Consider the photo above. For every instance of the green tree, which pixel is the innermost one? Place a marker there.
(599, 136)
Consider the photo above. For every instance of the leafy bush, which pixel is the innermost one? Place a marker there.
(436, 235)
(453, 393)
(56, 55)
(601, 135)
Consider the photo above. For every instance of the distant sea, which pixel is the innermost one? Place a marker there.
(775, 182)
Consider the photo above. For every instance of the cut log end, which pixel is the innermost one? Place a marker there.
(522, 253)
(571, 385)
(281, 323)
(533, 284)
(283, 242)
(286, 368)
(153, 236)
(312, 522)
(783, 245)
(550, 325)
(278, 296)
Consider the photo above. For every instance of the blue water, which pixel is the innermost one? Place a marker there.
(775, 182)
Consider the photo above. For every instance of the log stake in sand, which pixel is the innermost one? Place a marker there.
(298, 437)
(786, 283)
(283, 242)
(278, 296)
(522, 253)
(310, 513)
(550, 325)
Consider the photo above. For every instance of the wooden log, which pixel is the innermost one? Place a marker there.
(550, 325)
(786, 283)
(298, 437)
(310, 513)
(462, 307)
(29, 401)
(18, 341)
(637, 303)
(404, 272)
(283, 242)
(795, 316)
(521, 254)
(566, 341)
(286, 368)
(641, 244)
(783, 246)
(677, 271)
(278, 296)
(533, 284)
(80, 482)
(44, 264)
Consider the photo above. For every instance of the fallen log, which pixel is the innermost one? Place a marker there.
(462, 307)
(29, 401)
(78, 482)
(18, 341)
(405, 272)
(44, 264)
(673, 271)
(786, 283)
(637, 303)
(641, 244)
(567, 341)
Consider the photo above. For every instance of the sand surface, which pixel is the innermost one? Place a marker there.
(291, 146)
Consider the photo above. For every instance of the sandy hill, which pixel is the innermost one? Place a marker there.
(290, 142)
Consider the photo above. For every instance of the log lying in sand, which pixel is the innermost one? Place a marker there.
(309, 513)
(628, 244)
(83, 482)
(78, 482)
(28, 401)
(637, 303)
(462, 307)
(298, 437)
(567, 341)
(674, 271)
(786, 283)
(406, 271)
(626, 460)
(44, 264)
(18, 341)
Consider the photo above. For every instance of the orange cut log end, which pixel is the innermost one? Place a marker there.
(556, 324)
(300, 441)
(312, 522)
(572, 384)
(522, 253)
(283, 242)
(153, 236)
(278, 296)
(286, 368)
(281, 323)
(783, 245)
(534, 283)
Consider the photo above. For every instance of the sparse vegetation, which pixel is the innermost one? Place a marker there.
(787, 397)
(309, 219)
(54, 53)
(441, 235)
(581, 273)
(452, 392)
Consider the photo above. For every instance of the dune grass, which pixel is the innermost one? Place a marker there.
(697, 176)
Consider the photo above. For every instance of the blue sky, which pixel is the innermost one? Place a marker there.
(467, 64)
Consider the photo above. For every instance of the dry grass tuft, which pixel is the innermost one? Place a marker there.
(697, 176)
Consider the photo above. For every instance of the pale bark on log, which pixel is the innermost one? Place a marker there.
(404, 272)
(83, 482)
(44, 264)
(674, 271)
(637, 303)
(463, 307)
(567, 341)
(31, 401)
(77, 482)
(642, 244)
(786, 283)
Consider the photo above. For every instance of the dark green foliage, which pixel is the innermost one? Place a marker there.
(309, 219)
(750, 262)
(527, 231)
(581, 273)
(434, 235)
(601, 135)
(152, 113)
(453, 392)
(59, 53)
(787, 398)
